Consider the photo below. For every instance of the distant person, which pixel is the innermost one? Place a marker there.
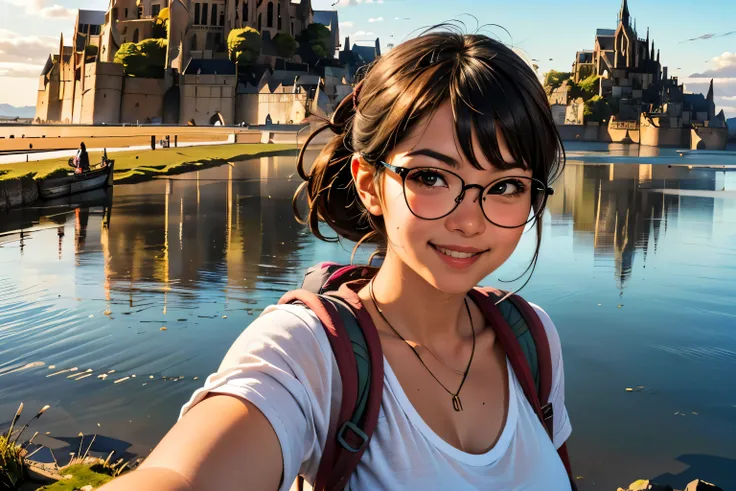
(81, 161)
(441, 158)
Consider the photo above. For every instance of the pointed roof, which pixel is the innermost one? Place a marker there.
(624, 14)
(709, 97)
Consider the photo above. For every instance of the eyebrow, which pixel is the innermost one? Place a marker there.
(428, 152)
(433, 154)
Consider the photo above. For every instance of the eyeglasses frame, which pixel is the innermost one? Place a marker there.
(403, 173)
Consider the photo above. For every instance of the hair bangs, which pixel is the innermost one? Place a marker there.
(500, 94)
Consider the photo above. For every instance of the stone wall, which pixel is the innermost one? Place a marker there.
(665, 137)
(103, 83)
(246, 109)
(708, 138)
(143, 100)
(204, 96)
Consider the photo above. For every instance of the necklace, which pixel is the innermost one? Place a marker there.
(456, 403)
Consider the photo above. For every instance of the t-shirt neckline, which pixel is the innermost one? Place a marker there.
(477, 460)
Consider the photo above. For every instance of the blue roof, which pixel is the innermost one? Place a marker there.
(605, 32)
(366, 53)
(325, 17)
(210, 67)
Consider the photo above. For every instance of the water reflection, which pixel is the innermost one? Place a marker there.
(623, 207)
(91, 283)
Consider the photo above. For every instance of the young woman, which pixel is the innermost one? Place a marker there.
(441, 158)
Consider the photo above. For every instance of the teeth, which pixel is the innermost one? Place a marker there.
(456, 254)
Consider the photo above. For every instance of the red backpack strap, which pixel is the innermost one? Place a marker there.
(486, 300)
(349, 439)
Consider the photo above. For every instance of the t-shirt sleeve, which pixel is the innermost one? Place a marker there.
(283, 364)
(561, 420)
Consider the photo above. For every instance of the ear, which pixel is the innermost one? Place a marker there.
(365, 184)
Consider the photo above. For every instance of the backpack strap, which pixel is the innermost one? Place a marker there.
(524, 340)
(359, 358)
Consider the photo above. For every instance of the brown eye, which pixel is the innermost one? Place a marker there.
(428, 178)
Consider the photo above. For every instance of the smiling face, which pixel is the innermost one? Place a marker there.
(456, 251)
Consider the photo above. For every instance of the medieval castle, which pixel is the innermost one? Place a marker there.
(648, 106)
(200, 85)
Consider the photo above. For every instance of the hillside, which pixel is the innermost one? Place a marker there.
(8, 111)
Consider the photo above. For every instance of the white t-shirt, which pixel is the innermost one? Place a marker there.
(284, 365)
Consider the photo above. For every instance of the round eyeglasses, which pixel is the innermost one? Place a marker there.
(432, 193)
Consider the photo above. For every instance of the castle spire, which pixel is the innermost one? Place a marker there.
(653, 49)
(623, 14)
(657, 56)
(709, 97)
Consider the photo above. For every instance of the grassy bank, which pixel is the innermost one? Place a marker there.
(145, 164)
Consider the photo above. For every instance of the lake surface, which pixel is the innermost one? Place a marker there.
(638, 271)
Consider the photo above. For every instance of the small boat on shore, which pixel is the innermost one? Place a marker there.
(99, 177)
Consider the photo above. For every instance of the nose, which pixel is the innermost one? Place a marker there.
(468, 217)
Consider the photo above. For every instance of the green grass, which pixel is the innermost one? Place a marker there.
(145, 164)
(11, 463)
(83, 475)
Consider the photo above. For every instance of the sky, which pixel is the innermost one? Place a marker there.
(697, 39)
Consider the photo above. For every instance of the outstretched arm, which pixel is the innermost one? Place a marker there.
(222, 443)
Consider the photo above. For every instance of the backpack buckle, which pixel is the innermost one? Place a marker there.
(356, 431)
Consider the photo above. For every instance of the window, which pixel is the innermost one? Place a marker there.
(279, 17)
(126, 14)
(222, 18)
(259, 22)
(196, 14)
(245, 11)
(114, 13)
(95, 30)
(269, 15)
(204, 14)
(135, 36)
(155, 9)
(194, 43)
(140, 12)
(214, 14)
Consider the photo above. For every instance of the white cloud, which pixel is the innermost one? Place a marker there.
(39, 8)
(729, 98)
(25, 49)
(347, 24)
(352, 3)
(363, 33)
(19, 70)
(396, 18)
(375, 19)
(725, 67)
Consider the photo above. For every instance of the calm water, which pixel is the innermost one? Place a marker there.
(638, 270)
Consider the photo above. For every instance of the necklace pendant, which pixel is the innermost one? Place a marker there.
(456, 404)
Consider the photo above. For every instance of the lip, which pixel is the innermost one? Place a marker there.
(456, 262)
(469, 250)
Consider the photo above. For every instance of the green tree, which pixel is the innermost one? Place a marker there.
(554, 79)
(286, 45)
(161, 24)
(589, 86)
(146, 59)
(244, 45)
(314, 42)
(597, 109)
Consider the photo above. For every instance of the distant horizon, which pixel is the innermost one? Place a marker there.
(703, 39)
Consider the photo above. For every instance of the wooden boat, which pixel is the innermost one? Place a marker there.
(100, 177)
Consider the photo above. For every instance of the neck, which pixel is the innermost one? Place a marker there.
(415, 308)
